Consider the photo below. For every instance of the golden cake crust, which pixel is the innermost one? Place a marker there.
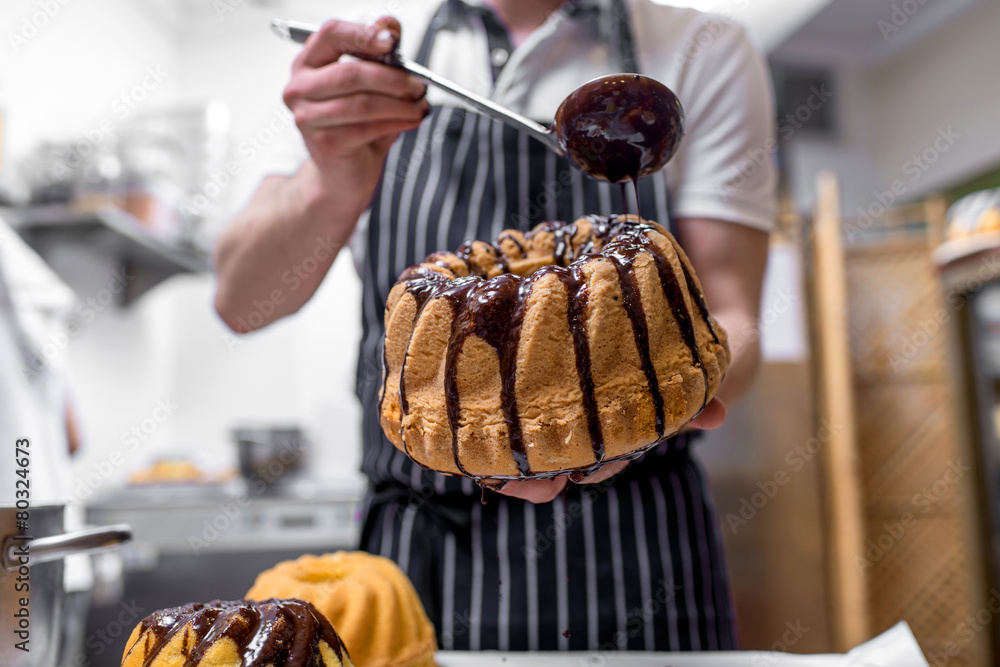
(548, 352)
(367, 598)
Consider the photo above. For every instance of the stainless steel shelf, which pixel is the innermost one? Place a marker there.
(88, 249)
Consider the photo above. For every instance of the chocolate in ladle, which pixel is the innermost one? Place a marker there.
(621, 127)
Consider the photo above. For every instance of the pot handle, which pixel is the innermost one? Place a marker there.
(57, 547)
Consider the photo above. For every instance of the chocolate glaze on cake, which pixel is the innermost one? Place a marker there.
(492, 308)
(283, 633)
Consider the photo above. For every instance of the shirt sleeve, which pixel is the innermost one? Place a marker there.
(724, 168)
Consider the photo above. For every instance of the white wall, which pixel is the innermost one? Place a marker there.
(891, 111)
(851, 154)
(71, 70)
(950, 79)
(169, 348)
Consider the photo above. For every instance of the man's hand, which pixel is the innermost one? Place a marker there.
(350, 112)
(546, 490)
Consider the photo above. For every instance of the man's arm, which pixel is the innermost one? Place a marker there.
(730, 260)
(259, 257)
(273, 255)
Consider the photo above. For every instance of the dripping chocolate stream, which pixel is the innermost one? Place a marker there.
(640, 331)
(671, 290)
(577, 315)
(492, 310)
(563, 237)
(421, 283)
(638, 206)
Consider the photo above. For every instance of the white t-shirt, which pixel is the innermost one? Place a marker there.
(723, 169)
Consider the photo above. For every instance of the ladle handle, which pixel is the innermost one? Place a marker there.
(299, 32)
(57, 547)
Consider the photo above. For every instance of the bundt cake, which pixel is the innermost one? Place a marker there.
(269, 633)
(553, 351)
(369, 600)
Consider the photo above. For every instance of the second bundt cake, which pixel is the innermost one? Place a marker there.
(241, 633)
(369, 600)
(549, 352)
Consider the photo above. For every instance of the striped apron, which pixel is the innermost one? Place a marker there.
(634, 563)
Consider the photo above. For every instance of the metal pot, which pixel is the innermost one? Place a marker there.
(269, 456)
(31, 580)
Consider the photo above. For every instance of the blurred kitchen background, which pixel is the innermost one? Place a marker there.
(857, 485)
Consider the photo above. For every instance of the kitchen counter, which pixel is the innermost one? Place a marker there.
(228, 518)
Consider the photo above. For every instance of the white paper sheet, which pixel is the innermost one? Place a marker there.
(894, 648)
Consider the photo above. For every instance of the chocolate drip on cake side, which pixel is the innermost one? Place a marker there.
(422, 284)
(576, 314)
(492, 310)
(678, 306)
(621, 258)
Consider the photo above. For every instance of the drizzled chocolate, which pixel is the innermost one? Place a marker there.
(492, 309)
(620, 128)
(282, 633)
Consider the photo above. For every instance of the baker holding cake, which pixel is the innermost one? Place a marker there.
(552, 361)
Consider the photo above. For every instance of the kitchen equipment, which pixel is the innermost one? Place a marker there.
(40, 582)
(204, 542)
(615, 128)
(269, 455)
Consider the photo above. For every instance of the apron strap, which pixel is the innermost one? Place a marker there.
(623, 39)
(445, 17)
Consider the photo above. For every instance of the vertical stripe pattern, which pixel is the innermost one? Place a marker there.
(634, 564)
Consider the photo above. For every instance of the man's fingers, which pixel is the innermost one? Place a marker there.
(355, 136)
(607, 472)
(712, 417)
(362, 108)
(535, 490)
(335, 38)
(348, 78)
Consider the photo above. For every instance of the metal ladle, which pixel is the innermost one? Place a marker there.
(615, 128)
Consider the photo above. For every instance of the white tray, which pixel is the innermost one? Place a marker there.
(894, 648)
